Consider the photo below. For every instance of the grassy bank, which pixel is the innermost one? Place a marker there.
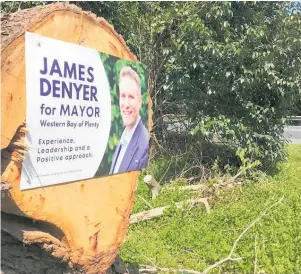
(193, 239)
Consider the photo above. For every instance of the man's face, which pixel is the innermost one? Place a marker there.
(129, 101)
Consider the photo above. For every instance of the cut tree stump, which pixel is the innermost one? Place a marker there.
(88, 219)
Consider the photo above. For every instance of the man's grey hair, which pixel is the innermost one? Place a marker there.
(130, 73)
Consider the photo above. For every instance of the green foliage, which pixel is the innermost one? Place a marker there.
(232, 67)
(193, 239)
(247, 165)
(13, 6)
(235, 71)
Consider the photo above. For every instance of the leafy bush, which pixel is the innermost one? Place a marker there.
(233, 68)
(235, 71)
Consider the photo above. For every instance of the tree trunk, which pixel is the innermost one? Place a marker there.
(18, 258)
(87, 220)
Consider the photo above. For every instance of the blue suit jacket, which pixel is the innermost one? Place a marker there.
(136, 154)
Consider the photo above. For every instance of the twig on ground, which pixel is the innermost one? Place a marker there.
(232, 179)
(200, 187)
(156, 212)
(154, 270)
(191, 187)
(229, 257)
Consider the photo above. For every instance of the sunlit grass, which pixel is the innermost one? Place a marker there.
(193, 239)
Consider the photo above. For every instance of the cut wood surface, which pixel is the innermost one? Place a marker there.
(92, 216)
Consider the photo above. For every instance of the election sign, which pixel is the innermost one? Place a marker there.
(86, 112)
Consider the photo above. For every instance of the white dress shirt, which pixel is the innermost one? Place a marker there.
(124, 142)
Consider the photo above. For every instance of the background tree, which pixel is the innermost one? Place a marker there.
(231, 68)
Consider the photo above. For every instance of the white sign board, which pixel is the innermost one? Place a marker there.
(68, 114)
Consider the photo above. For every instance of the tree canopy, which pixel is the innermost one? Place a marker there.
(233, 69)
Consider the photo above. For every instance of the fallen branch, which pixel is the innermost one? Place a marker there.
(156, 212)
(229, 257)
(232, 179)
(191, 188)
(226, 184)
(201, 187)
(154, 270)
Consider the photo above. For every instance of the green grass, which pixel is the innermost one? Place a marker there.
(193, 239)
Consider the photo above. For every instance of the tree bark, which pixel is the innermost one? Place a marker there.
(18, 258)
(91, 217)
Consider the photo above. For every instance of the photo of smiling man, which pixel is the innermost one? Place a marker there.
(132, 150)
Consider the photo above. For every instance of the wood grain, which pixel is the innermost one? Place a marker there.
(93, 215)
